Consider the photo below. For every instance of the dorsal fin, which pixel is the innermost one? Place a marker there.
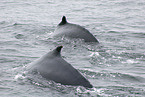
(57, 50)
(63, 21)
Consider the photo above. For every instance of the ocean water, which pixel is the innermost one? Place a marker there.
(115, 67)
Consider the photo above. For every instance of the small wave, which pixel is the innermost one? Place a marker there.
(15, 24)
(139, 35)
(124, 91)
(114, 32)
(93, 92)
(19, 77)
(2, 22)
(94, 54)
(130, 61)
(112, 76)
(19, 36)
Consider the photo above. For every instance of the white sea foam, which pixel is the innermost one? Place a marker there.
(94, 54)
(130, 61)
(19, 77)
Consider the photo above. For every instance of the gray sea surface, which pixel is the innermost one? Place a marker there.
(115, 67)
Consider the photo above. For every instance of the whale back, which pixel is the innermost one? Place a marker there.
(53, 67)
(73, 31)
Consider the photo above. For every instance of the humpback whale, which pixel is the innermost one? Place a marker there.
(73, 31)
(53, 67)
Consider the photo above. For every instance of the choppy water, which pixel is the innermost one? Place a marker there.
(116, 67)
